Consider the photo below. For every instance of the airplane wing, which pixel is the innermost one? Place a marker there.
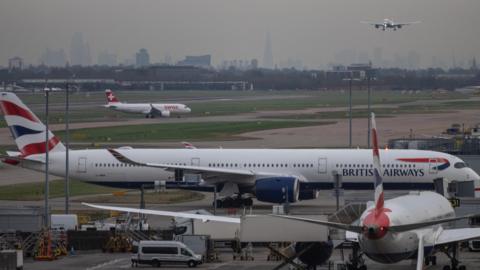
(407, 23)
(413, 226)
(206, 172)
(204, 218)
(373, 23)
(457, 235)
(359, 229)
(341, 226)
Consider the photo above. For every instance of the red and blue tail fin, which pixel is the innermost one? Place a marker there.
(377, 167)
(27, 130)
(111, 98)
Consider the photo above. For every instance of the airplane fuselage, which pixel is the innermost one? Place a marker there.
(409, 209)
(161, 109)
(403, 169)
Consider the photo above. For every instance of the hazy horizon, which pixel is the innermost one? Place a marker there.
(312, 31)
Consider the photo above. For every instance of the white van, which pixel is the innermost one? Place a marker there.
(157, 253)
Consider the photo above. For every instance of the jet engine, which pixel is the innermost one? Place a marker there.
(165, 113)
(317, 254)
(277, 189)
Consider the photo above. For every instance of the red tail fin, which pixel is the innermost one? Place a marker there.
(377, 167)
(110, 97)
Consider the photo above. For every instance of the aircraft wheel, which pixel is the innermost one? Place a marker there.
(363, 267)
(227, 202)
(462, 267)
(447, 267)
(248, 202)
(219, 204)
(238, 203)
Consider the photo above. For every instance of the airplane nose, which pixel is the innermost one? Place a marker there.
(472, 175)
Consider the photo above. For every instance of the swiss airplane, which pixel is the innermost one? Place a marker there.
(238, 174)
(406, 227)
(150, 110)
(389, 24)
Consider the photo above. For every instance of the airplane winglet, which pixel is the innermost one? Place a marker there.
(120, 157)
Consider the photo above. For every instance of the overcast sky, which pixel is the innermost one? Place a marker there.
(310, 30)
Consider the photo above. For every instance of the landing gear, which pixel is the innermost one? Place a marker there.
(237, 202)
(431, 260)
(356, 262)
(149, 116)
(452, 252)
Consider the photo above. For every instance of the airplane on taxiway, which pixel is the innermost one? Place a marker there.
(150, 110)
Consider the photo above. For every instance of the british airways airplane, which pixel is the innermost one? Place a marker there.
(270, 175)
(150, 110)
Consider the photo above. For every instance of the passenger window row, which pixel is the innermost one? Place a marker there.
(259, 165)
(371, 165)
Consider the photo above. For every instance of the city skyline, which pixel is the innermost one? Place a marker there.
(237, 30)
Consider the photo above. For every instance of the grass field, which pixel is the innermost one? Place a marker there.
(363, 113)
(180, 131)
(35, 191)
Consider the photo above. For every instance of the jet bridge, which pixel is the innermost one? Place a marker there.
(260, 229)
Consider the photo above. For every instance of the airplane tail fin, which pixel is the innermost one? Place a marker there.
(111, 98)
(377, 168)
(27, 130)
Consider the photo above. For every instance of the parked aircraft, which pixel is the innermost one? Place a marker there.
(406, 227)
(150, 110)
(389, 24)
(238, 174)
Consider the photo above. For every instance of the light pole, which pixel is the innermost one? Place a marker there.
(369, 108)
(47, 220)
(350, 111)
(67, 142)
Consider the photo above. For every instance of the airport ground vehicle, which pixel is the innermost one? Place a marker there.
(474, 245)
(157, 253)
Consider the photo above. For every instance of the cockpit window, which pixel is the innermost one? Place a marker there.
(460, 165)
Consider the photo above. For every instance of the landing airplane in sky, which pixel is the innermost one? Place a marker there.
(389, 24)
(406, 227)
(150, 110)
(238, 174)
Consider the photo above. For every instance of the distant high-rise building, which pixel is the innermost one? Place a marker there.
(54, 58)
(15, 63)
(106, 58)
(79, 51)
(473, 66)
(268, 54)
(197, 61)
(142, 58)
